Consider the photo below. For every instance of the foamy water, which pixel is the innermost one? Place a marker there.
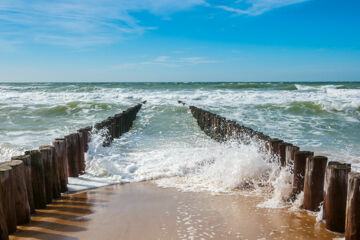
(167, 146)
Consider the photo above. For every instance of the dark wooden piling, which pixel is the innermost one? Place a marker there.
(314, 182)
(7, 194)
(122, 124)
(299, 171)
(37, 178)
(285, 152)
(117, 125)
(87, 132)
(336, 179)
(352, 222)
(294, 150)
(275, 147)
(81, 150)
(22, 206)
(61, 158)
(113, 128)
(4, 234)
(27, 176)
(55, 174)
(72, 150)
(47, 156)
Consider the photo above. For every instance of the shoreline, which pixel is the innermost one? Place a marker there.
(145, 211)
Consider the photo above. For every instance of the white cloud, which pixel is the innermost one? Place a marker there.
(256, 7)
(82, 22)
(167, 61)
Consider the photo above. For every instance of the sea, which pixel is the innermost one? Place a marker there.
(167, 147)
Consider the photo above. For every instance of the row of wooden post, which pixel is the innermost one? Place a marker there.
(332, 184)
(33, 180)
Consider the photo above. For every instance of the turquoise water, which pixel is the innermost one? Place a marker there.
(165, 141)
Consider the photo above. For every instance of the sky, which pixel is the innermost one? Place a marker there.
(179, 40)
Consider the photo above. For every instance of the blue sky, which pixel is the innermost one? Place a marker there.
(172, 40)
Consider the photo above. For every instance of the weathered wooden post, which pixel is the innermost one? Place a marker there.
(275, 147)
(122, 124)
(47, 156)
(28, 181)
(37, 178)
(61, 159)
(81, 161)
(4, 234)
(299, 171)
(295, 149)
(22, 206)
(72, 150)
(113, 128)
(7, 195)
(352, 222)
(117, 125)
(87, 131)
(55, 174)
(336, 179)
(314, 182)
(285, 152)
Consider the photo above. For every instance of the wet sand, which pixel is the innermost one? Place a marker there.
(144, 211)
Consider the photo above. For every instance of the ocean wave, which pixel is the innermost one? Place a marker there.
(308, 107)
(8, 150)
(74, 107)
(196, 164)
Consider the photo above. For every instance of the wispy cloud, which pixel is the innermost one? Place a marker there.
(256, 7)
(167, 61)
(81, 23)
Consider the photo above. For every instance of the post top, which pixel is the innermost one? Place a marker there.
(14, 163)
(46, 147)
(20, 157)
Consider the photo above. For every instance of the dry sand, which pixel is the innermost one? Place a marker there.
(144, 211)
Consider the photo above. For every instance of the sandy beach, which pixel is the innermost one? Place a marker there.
(144, 211)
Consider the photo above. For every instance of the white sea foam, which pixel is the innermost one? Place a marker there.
(166, 145)
(8, 150)
(200, 165)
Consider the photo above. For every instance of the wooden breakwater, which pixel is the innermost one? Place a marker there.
(31, 181)
(331, 183)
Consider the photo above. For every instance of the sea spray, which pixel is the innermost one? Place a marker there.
(166, 144)
(204, 165)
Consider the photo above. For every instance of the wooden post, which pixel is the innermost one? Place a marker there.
(284, 152)
(87, 131)
(47, 156)
(299, 171)
(7, 194)
(314, 182)
(336, 179)
(37, 178)
(290, 154)
(122, 124)
(55, 174)
(81, 161)
(26, 159)
(72, 149)
(275, 147)
(352, 222)
(20, 196)
(61, 159)
(117, 125)
(4, 234)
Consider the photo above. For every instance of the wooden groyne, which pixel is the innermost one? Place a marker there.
(330, 183)
(31, 181)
